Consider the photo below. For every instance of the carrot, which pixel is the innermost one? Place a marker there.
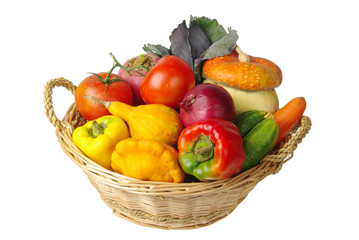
(287, 116)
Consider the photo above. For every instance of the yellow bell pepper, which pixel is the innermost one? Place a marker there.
(97, 139)
(147, 160)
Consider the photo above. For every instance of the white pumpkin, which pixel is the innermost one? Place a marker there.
(263, 100)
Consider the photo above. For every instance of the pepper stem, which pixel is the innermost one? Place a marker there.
(203, 149)
(96, 129)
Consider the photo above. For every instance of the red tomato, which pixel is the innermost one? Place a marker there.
(168, 81)
(93, 86)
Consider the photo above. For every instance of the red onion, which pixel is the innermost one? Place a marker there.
(206, 101)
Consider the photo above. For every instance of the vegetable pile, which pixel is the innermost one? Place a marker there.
(199, 110)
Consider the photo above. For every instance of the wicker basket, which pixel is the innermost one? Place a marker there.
(167, 205)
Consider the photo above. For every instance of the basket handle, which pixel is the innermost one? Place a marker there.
(285, 152)
(49, 110)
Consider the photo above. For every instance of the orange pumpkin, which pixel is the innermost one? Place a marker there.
(243, 71)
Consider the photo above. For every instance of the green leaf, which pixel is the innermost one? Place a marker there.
(180, 44)
(222, 47)
(210, 27)
(198, 40)
(156, 49)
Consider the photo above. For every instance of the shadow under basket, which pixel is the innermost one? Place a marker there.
(160, 204)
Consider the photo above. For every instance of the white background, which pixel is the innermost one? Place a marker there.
(44, 195)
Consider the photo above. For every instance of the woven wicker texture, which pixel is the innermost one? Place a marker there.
(167, 205)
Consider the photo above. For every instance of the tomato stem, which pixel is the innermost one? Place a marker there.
(129, 69)
(108, 80)
(109, 72)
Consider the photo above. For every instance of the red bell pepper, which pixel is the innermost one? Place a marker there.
(211, 150)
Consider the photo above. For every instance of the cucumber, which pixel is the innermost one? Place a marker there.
(247, 120)
(259, 140)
